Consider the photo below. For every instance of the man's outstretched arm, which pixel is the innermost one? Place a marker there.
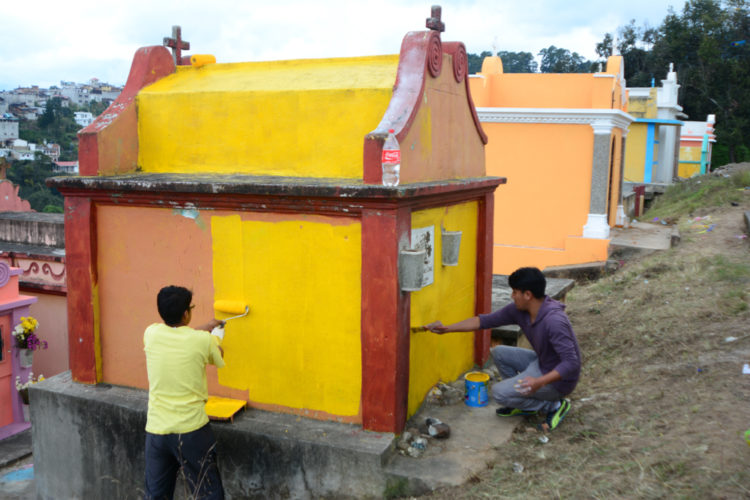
(467, 325)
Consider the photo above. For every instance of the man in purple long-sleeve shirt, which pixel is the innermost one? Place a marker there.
(533, 381)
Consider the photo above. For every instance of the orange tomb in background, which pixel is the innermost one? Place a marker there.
(559, 138)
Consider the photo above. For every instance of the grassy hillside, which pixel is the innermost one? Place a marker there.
(662, 403)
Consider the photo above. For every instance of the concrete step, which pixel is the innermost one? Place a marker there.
(88, 443)
(642, 237)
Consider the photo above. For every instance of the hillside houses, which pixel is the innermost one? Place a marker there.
(29, 103)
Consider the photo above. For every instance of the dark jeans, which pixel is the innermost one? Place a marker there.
(194, 452)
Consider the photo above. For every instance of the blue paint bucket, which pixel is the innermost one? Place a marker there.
(476, 389)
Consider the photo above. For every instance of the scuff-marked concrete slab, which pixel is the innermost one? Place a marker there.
(476, 434)
(644, 236)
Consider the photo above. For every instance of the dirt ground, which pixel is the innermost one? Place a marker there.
(662, 404)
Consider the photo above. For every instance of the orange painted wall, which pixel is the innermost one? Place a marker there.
(617, 172)
(535, 90)
(539, 208)
(540, 216)
(546, 90)
(135, 260)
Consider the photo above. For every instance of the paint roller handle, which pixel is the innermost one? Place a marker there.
(211, 325)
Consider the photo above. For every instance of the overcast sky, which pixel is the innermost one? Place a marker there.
(46, 41)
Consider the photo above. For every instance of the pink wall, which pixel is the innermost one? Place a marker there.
(52, 313)
(9, 200)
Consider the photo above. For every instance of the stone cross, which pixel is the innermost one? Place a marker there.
(434, 22)
(176, 44)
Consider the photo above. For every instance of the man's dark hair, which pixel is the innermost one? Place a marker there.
(528, 278)
(172, 303)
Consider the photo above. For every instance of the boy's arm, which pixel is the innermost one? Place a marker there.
(210, 325)
(467, 325)
(500, 317)
(216, 353)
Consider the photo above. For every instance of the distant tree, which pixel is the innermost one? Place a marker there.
(709, 44)
(29, 131)
(45, 201)
(559, 60)
(53, 209)
(604, 48)
(30, 177)
(94, 107)
(475, 61)
(513, 62)
(57, 125)
(518, 62)
(633, 44)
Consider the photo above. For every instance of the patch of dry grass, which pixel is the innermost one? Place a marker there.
(662, 403)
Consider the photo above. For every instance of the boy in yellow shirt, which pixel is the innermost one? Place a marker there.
(177, 431)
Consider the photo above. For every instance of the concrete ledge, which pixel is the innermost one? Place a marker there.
(582, 272)
(15, 448)
(88, 443)
(33, 228)
(264, 185)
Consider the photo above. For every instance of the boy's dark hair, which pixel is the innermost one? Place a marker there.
(528, 278)
(172, 303)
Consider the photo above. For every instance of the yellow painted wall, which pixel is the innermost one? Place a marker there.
(304, 327)
(689, 152)
(635, 152)
(635, 145)
(300, 346)
(450, 298)
(616, 171)
(644, 107)
(242, 118)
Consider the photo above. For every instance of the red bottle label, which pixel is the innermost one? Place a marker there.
(391, 156)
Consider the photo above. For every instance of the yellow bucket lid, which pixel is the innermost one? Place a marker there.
(477, 377)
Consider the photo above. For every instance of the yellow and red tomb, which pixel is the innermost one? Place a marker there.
(261, 183)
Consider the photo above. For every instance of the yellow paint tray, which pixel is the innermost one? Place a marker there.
(223, 408)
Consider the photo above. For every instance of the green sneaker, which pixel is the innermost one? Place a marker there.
(513, 412)
(555, 418)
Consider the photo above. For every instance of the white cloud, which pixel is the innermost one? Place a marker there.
(87, 38)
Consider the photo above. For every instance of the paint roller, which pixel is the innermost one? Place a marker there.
(232, 307)
(199, 60)
(239, 309)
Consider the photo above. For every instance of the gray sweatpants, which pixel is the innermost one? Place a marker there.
(515, 363)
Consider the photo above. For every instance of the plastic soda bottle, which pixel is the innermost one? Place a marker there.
(391, 160)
